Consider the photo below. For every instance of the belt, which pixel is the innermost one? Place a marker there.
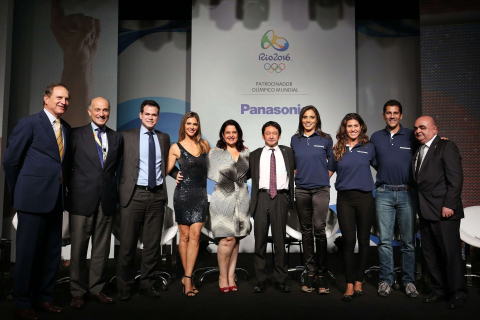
(278, 191)
(147, 188)
(402, 187)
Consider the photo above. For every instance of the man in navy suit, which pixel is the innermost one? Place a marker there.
(35, 165)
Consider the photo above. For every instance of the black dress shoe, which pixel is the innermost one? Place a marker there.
(77, 303)
(102, 298)
(282, 287)
(49, 307)
(124, 295)
(26, 314)
(433, 297)
(150, 293)
(260, 287)
(455, 302)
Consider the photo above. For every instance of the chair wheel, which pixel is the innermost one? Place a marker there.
(199, 284)
(246, 277)
(396, 286)
(163, 287)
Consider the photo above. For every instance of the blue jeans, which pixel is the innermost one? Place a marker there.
(400, 206)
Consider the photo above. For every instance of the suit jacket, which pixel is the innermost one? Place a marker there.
(255, 174)
(91, 184)
(131, 157)
(33, 166)
(440, 181)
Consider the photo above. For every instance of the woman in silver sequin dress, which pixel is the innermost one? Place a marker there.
(229, 204)
(190, 197)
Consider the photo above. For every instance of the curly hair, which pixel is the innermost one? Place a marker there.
(340, 147)
(221, 142)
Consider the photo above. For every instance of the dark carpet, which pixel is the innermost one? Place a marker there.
(210, 303)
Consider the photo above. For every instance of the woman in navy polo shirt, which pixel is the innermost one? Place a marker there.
(353, 154)
(312, 148)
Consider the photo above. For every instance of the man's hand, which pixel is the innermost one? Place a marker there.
(447, 212)
(76, 34)
(179, 177)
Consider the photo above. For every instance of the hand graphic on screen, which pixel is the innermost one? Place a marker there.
(77, 36)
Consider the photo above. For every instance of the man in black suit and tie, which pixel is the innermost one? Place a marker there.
(272, 171)
(143, 196)
(35, 165)
(95, 154)
(437, 168)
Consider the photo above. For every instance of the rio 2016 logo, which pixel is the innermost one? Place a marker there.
(271, 40)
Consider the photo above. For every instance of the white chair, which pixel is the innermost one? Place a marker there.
(470, 234)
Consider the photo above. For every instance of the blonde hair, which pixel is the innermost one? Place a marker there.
(201, 143)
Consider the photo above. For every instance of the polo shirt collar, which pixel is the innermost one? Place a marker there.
(314, 133)
(400, 131)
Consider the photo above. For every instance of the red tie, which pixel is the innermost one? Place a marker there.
(273, 175)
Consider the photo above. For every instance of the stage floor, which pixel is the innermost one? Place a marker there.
(210, 303)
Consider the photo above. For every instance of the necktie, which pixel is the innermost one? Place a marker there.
(152, 174)
(419, 160)
(58, 136)
(99, 145)
(273, 175)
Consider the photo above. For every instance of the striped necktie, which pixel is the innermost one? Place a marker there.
(58, 136)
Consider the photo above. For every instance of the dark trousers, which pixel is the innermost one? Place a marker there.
(442, 250)
(355, 208)
(145, 211)
(275, 212)
(37, 258)
(99, 228)
(312, 209)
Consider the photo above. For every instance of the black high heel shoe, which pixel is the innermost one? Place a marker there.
(189, 293)
(347, 298)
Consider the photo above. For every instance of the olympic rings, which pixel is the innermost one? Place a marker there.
(271, 68)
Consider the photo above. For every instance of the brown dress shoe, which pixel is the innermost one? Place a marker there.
(77, 302)
(49, 307)
(26, 314)
(102, 298)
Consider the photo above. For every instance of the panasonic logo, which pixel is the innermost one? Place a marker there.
(404, 148)
(363, 152)
(317, 146)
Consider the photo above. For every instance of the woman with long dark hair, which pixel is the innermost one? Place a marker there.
(353, 156)
(312, 149)
(190, 198)
(229, 204)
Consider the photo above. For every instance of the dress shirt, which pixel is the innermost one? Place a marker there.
(282, 176)
(143, 161)
(103, 136)
(426, 147)
(52, 119)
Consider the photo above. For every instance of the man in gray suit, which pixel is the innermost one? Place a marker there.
(143, 196)
(272, 170)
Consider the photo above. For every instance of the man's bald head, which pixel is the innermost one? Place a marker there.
(99, 111)
(425, 129)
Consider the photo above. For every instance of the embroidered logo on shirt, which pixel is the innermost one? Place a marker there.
(317, 146)
(404, 148)
(363, 152)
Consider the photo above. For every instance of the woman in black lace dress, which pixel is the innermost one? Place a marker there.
(190, 197)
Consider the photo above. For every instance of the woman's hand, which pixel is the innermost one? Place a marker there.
(179, 177)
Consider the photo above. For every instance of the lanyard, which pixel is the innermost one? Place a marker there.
(104, 150)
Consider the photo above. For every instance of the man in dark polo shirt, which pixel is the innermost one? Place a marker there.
(394, 199)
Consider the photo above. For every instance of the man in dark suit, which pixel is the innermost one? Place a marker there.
(95, 151)
(143, 196)
(437, 168)
(35, 165)
(272, 171)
